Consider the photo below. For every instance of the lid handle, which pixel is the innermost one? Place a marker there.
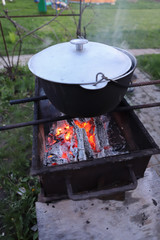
(79, 43)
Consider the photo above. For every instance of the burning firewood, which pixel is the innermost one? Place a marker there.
(80, 139)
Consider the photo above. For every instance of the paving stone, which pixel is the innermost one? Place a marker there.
(150, 117)
(138, 52)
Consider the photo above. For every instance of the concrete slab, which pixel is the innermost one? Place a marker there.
(137, 218)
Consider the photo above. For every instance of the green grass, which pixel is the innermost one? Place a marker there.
(128, 28)
(17, 212)
(125, 24)
(150, 64)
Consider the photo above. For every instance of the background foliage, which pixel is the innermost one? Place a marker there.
(18, 190)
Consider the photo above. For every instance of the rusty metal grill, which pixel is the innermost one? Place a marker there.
(95, 177)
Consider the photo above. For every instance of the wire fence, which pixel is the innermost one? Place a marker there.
(45, 33)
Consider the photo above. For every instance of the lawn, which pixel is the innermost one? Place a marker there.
(150, 64)
(126, 24)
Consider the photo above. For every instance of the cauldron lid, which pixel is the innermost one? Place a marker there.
(63, 63)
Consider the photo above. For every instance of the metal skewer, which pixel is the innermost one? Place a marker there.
(65, 117)
(25, 100)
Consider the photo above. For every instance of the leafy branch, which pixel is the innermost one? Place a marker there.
(9, 64)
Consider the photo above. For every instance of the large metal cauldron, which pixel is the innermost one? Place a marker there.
(84, 90)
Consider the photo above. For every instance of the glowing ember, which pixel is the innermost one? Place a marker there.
(66, 135)
(63, 138)
(78, 140)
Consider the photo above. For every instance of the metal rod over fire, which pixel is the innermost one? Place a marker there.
(66, 117)
(38, 98)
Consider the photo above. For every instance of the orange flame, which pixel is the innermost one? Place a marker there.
(67, 138)
(89, 127)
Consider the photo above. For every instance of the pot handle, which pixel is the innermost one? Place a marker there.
(100, 77)
(102, 193)
(101, 82)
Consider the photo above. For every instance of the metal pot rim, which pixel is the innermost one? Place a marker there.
(63, 63)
